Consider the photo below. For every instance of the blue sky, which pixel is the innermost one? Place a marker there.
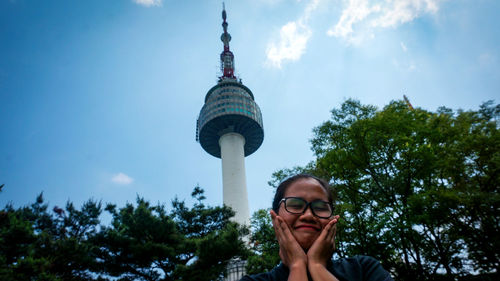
(99, 99)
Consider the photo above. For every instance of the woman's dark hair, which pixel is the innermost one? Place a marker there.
(280, 191)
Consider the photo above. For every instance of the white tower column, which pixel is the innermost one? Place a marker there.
(234, 180)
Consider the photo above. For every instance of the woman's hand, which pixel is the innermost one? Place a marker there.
(322, 249)
(291, 254)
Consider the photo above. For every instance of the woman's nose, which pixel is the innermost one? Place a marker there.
(308, 211)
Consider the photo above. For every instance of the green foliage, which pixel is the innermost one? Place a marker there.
(264, 247)
(280, 175)
(146, 243)
(143, 242)
(418, 190)
(38, 245)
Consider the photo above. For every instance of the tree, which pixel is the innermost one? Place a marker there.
(38, 245)
(143, 242)
(146, 243)
(264, 247)
(417, 189)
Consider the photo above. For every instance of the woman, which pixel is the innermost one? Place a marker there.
(305, 227)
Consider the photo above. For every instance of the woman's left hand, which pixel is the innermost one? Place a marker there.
(322, 249)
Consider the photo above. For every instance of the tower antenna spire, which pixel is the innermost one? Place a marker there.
(226, 57)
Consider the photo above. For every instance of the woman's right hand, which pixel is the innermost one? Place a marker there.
(291, 254)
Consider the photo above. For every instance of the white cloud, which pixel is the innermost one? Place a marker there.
(149, 3)
(401, 11)
(365, 15)
(293, 41)
(122, 179)
(356, 11)
(313, 5)
(403, 46)
(357, 22)
(293, 38)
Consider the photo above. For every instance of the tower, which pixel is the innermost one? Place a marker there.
(230, 127)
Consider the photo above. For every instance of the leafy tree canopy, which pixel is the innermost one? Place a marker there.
(418, 190)
(143, 241)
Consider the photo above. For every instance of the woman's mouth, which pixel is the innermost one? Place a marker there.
(307, 228)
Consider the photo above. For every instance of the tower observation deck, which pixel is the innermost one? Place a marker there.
(230, 127)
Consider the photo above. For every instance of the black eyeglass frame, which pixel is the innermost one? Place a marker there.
(308, 205)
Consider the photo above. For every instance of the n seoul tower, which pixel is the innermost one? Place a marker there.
(230, 127)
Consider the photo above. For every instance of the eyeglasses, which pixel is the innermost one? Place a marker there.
(297, 205)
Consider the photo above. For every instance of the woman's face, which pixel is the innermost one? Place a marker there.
(305, 227)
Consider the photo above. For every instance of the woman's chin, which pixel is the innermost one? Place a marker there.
(306, 241)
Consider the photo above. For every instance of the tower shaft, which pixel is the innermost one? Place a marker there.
(233, 176)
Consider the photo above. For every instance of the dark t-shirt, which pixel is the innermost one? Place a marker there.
(358, 268)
